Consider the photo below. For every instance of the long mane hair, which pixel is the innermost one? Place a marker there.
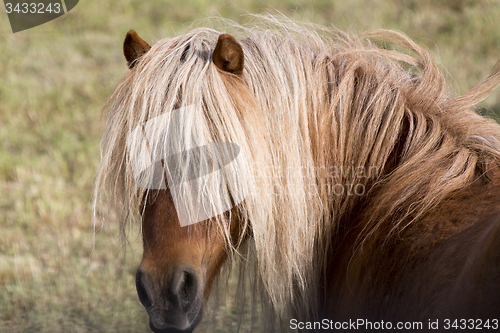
(315, 108)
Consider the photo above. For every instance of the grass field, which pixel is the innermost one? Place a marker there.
(54, 80)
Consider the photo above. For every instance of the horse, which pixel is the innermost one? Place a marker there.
(365, 194)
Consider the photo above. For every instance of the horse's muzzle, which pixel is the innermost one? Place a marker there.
(174, 303)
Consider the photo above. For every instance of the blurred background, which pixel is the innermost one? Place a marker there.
(55, 275)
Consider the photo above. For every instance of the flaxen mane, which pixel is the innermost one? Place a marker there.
(326, 121)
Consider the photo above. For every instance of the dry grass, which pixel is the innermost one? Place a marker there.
(54, 80)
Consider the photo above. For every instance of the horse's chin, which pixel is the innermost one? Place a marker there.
(171, 329)
(190, 326)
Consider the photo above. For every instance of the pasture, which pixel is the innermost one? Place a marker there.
(55, 275)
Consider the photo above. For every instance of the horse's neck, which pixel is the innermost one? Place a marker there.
(477, 202)
(474, 203)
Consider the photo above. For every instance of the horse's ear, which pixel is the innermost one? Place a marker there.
(134, 47)
(228, 55)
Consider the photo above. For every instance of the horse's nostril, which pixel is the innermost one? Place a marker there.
(175, 296)
(186, 288)
(141, 288)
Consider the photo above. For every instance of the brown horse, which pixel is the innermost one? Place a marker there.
(372, 198)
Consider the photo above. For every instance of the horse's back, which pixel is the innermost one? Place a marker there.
(468, 263)
(445, 267)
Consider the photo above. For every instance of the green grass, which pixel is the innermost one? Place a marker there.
(54, 80)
